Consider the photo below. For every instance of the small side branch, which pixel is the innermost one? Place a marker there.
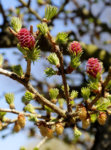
(28, 71)
(30, 10)
(60, 56)
(42, 142)
(18, 112)
(38, 97)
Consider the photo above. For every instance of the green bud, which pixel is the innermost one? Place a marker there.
(48, 109)
(2, 114)
(34, 54)
(53, 92)
(35, 148)
(18, 70)
(16, 23)
(10, 99)
(50, 12)
(22, 50)
(33, 118)
(22, 148)
(30, 108)
(75, 61)
(94, 85)
(1, 60)
(93, 117)
(50, 72)
(53, 59)
(43, 28)
(67, 88)
(28, 96)
(85, 91)
(61, 102)
(5, 119)
(72, 102)
(103, 104)
(73, 94)
(40, 2)
(62, 38)
(77, 132)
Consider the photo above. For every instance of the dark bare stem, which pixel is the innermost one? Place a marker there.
(31, 29)
(28, 71)
(56, 49)
(76, 4)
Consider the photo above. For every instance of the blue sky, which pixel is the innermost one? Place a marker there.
(13, 142)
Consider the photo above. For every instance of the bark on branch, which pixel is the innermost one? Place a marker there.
(39, 98)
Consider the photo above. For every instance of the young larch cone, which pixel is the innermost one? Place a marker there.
(43, 130)
(49, 132)
(59, 128)
(82, 112)
(1, 125)
(21, 120)
(102, 118)
(75, 47)
(26, 39)
(17, 127)
(85, 123)
(93, 67)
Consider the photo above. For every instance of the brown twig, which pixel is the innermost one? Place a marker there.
(76, 4)
(18, 112)
(30, 10)
(41, 142)
(12, 31)
(56, 49)
(28, 71)
(31, 89)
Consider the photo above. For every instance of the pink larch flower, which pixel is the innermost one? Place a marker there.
(25, 38)
(75, 47)
(93, 67)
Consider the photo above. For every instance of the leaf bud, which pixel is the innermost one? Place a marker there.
(10, 100)
(16, 24)
(77, 132)
(30, 108)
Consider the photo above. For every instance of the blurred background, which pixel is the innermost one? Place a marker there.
(87, 21)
